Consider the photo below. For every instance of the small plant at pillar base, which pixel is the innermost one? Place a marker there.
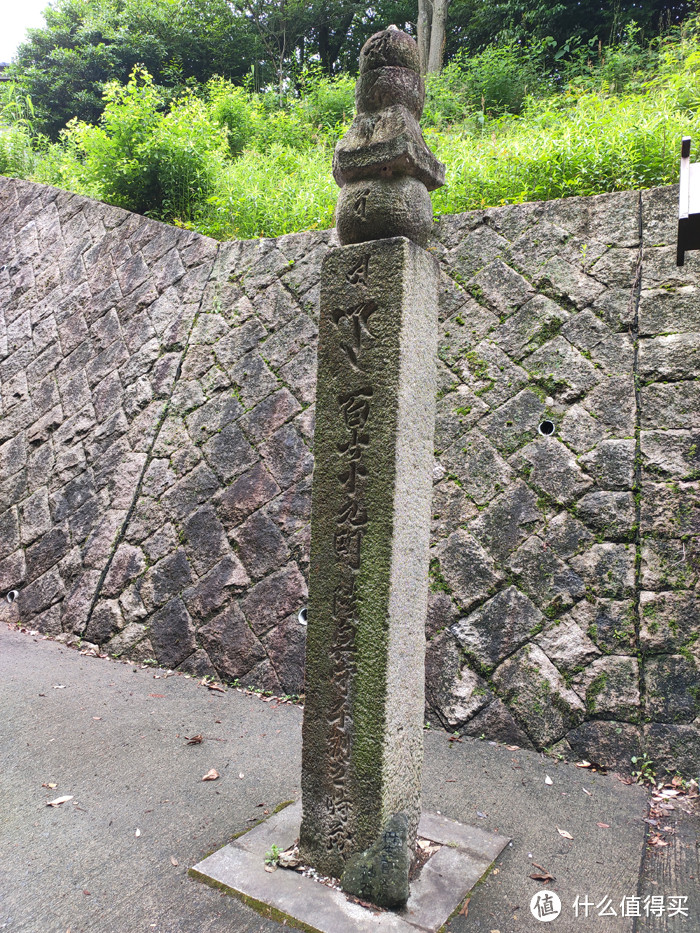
(272, 856)
(644, 773)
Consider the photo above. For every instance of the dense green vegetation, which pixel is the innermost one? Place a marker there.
(64, 66)
(513, 122)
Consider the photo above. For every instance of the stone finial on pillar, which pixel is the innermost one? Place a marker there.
(383, 165)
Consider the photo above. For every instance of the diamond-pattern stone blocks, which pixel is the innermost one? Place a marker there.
(156, 427)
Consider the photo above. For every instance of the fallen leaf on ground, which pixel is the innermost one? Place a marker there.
(137, 833)
(195, 739)
(59, 800)
(86, 893)
(548, 780)
(216, 687)
(541, 868)
(372, 907)
(586, 792)
(241, 775)
(51, 786)
(545, 876)
(174, 861)
(157, 696)
(583, 764)
(563, 832)
(270, 868)
(454, 738)
(97, 718)
(603, 825)
(513, 748)
(465, 908)
(212, 775)
(59, 686)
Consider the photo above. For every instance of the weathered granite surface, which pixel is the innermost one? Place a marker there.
(156, 449)
(363, 725)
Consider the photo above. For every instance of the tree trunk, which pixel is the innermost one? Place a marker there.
(323, 47)
(424, 18)
(283, 48)
(437, 36)
(337, 37)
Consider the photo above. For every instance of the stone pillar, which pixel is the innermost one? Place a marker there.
(370, 534)
(370, 523)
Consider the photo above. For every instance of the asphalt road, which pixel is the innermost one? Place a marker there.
(114, 858)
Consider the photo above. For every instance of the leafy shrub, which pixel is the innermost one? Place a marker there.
(139, 158)
(494, 82)
(678, 69)
(585, 144)
(618, 69)
(328, 102)
(261, 121)
(285, 127)
(500, 78)
(231, 163)
(622, 66)
(16, 152)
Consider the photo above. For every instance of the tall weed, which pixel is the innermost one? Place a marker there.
(17, 157)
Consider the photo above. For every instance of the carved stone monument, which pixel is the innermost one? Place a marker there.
(383, 166)
(362, 734)
(370, 527)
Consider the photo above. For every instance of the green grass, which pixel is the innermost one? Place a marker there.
(285, 190)
(582, 144)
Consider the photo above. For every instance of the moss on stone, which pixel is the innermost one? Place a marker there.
(265, 910)
(595, 688)
(437, 582)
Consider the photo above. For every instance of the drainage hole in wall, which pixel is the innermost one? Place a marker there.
(546, 428)
(302, 616)
(12, 596)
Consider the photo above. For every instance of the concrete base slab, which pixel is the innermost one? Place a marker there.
(464, 856)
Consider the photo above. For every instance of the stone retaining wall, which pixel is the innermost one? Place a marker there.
(155, 458)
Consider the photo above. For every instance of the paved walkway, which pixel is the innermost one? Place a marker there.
(114, 858)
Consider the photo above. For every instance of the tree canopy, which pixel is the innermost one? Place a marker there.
(65, 65)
